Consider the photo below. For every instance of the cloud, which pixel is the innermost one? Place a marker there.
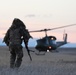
(30, 15)
(47, 15)
(41, 15)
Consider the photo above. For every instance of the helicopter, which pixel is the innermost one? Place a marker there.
(48, 43)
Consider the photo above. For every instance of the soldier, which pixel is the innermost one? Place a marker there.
(13, 38)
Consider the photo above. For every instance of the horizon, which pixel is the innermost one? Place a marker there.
(33, 43)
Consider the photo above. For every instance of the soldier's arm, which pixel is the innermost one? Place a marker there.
(6, 38)
(26, 37)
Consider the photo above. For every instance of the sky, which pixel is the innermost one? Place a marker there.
(40, 14)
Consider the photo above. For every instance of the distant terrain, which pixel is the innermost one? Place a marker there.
(33, 43)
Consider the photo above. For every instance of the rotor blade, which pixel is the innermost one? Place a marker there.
(62, 26)
(37, 30)
(53, 28)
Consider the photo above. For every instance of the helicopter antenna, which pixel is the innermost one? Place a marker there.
(63, 34)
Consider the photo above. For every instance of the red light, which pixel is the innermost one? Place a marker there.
(49, 47)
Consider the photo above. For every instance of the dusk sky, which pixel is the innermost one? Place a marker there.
(40, 14)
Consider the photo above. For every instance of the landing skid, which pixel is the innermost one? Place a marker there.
(40, 53)
(54, 51)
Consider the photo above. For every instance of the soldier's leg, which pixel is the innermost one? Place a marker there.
(19, 53)
(12, 58)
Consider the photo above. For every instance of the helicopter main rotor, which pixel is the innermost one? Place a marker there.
(52, 28)
(45, 30)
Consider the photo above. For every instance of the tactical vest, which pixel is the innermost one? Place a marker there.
(15, 37)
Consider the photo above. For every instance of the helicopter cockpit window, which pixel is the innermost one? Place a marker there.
(52, 40)
(52, 37)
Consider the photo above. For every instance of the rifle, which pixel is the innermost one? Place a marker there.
(28, 51)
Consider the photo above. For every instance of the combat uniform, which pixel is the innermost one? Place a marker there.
(15, 38)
